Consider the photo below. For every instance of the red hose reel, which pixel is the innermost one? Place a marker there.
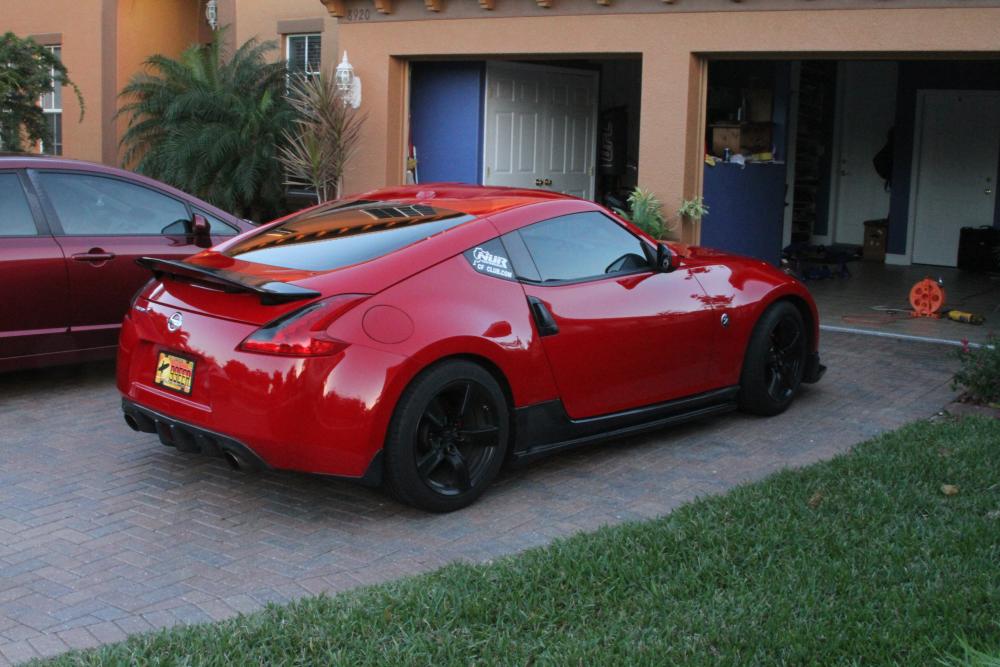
(927, 298)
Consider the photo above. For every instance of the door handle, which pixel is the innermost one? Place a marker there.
(539, 182)
(543, 317)
(547, 181)
(94, 255)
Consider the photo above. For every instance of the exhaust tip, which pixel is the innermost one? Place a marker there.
(234, 461)
(132, 423)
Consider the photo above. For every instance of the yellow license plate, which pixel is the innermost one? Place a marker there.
(174, 372)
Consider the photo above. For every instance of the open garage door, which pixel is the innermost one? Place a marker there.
(540, 128)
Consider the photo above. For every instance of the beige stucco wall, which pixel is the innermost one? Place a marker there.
(260, 19)
(147, 27)
(81, 27)
(673, 47)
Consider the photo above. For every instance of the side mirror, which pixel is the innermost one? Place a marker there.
(201, 231)
(664, 258)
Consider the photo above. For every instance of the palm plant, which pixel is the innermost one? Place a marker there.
(212, 124)
(323, 138)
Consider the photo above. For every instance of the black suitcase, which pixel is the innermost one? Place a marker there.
(978, 248)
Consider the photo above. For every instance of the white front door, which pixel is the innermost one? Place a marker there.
(540, 128)
(866, 110)
(955, 170)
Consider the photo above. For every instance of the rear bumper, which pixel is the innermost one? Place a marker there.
(188, 438)
(321, 415)
(814, 369)
(197, 440)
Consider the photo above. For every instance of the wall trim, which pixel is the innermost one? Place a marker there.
(897, 260)
(300, 26)
(48, 38)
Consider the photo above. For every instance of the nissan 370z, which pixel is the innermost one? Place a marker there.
(422, 337)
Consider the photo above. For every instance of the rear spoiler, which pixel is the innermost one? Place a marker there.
(270, 293)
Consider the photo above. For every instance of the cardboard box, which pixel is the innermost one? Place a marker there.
(876, 239)
(741, 138)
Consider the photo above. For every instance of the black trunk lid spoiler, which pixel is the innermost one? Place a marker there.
(270, 293)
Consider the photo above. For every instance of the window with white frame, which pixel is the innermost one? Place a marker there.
(51, 104)
(303, 54)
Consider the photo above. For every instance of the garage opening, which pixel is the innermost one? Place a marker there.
(862, 176)
(566, 125)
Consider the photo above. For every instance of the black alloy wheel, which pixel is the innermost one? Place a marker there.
(457, 438)
(775, 360)
(448, 437)
(785, 358)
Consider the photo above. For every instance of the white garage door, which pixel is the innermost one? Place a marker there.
(540, 128)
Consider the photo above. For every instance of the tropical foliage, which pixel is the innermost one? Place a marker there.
(695, 209)
(645, 211)
(324, 136)
(26, 72)
(212, 123)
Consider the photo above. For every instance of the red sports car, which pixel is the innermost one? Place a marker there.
(70, 232)
(421, 337)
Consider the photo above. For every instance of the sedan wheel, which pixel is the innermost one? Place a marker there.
(448, 437)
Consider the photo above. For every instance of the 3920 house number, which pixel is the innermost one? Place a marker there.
(359, 14)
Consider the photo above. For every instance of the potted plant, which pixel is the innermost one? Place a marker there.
(645, 211)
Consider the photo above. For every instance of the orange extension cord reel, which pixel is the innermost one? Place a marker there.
(927, 298)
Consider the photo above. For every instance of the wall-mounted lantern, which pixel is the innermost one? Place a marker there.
(212, 13)
(348, 83)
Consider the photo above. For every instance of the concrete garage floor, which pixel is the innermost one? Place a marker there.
(848, 302)
(104, 532)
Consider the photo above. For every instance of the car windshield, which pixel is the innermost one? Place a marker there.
(339, 235)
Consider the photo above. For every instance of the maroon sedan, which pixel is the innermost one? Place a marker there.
(69, 235)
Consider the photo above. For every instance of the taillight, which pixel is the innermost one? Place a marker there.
(302, 333)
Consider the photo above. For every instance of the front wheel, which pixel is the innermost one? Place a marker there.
(775, 361)
(447, 438)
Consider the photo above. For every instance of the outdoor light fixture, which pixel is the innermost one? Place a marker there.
(348, 83)
(212, 13)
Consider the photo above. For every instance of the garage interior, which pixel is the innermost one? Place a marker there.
(790, 174)
(859, 176)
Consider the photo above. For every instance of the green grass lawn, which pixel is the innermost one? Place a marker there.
(859, 560)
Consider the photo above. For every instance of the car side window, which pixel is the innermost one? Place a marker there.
(15, 214)
(583, 246)
(89, 205)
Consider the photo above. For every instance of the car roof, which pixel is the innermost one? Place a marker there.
(42, 161)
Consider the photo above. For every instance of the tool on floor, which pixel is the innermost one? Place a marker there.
(963, 316)
(927, 297)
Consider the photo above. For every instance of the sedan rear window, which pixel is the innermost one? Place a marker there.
(340, 235)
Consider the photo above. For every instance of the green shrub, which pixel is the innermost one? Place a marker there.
(693, 208)
(979, 375)
(646, 213)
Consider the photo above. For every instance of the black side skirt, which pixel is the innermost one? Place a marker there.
(544, 428)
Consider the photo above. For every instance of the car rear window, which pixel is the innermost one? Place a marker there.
(341, 234)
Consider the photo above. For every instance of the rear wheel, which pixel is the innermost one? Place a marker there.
(447, 438)
(775, 361)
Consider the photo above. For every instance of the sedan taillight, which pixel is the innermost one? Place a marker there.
(302, 333)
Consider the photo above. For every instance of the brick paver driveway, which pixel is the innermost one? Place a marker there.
(105, 532)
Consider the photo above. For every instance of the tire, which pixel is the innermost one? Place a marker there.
(775, 361)
(447, 438)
